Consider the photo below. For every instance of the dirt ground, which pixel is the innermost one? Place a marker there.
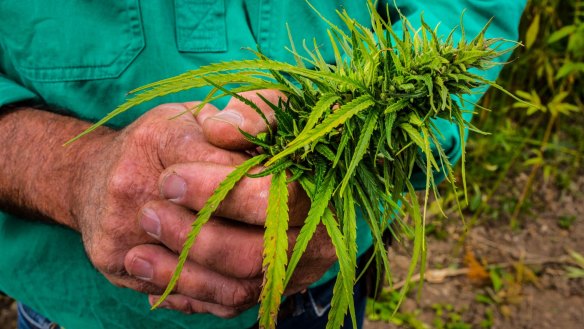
(7, 313)
(533, 289)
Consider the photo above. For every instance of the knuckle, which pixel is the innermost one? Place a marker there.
(254, 205)
(251, 266)
(103, 262)
(121, 182)
(142, 132)
(181, 234)
(164, 111)
(242, 294)
(215, 156)
(118, 184)
(128, 181)
(185, 306)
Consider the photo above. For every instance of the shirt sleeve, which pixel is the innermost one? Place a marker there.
(11, 92)
(448, 15)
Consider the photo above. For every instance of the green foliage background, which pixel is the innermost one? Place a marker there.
(546, 143)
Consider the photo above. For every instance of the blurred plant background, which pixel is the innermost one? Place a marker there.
(517, 262)
(547, 139)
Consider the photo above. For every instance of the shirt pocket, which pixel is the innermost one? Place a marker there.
(69, 41)
(200, 26)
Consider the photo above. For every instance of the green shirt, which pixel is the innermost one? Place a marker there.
(84, 56)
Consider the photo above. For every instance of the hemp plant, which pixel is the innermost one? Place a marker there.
(351, 133)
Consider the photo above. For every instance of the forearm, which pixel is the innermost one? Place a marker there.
(38, 176)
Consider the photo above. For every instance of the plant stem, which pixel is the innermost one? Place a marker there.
(533, 172)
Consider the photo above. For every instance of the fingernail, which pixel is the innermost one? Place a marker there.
(150, 223)
(229, 116)
(141, 269)
(174, 187)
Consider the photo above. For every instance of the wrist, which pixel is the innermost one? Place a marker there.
(89, 162)
(39, 177)
(94, 154)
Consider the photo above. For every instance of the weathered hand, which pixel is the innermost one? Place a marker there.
(224, 274)
(122, 177)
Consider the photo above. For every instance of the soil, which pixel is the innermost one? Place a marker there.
(531, 260)
(534, 291)
(7, 313)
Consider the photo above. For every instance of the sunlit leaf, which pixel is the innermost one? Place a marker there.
(275, 251)
(532, 32)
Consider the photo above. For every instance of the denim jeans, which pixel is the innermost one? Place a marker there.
(310, 310)
(30, 319)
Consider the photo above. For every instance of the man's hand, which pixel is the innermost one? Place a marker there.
(224, 272)
(115, 186)
(122, 176)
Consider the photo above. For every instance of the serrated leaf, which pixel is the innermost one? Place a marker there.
(397, 106)
(338, 117)
(345, 136)
(350, 225)
(275, 168)
(361, 148)
(319, 204)
(205, 214)
(326, 152)
(275, 251)
(343, 293)
(389, 121)
(414, 134)
(324, 103)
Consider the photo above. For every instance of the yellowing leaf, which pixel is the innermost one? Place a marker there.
(532, 32)
(477, 274)
(275, 251)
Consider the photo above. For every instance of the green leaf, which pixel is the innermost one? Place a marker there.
(319, 204)
(205, 214)
(414, 134)
(361, 148)
(532, 32)
(496, 279)
(275, 251)
(345, 136)
(419, 238)
(324, 103)
(561, 33)
(326, 152)
(275, 168)
(569, 68)
(326, 126)
(343, 289)
(397, 106)
(350, 225)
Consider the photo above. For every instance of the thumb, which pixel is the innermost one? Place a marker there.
(222, 128)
